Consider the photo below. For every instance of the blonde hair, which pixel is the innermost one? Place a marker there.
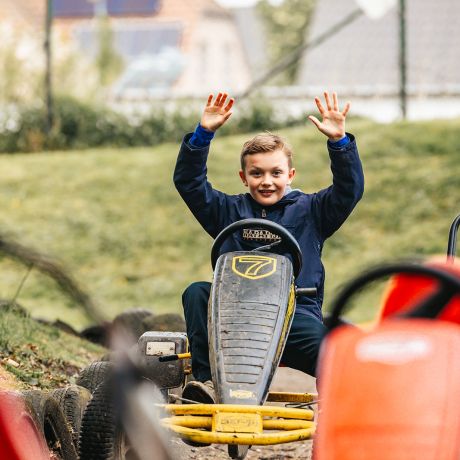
(264, 143)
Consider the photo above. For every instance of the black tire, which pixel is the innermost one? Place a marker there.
(167, 322)
(101, 433)
(238, 451)
(73, 401)
(90, 377)
(51, 421)
(130, 323)
(98, 333)
(111, 356)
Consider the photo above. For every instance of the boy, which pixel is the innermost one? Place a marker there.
(266, 169)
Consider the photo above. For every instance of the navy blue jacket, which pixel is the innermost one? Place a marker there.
(311, 218)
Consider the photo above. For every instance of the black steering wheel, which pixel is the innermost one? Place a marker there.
(287, 240)
(429, 307)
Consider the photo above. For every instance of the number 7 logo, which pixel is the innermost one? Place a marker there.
(254, 267)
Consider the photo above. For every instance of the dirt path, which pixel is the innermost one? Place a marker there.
(285, 380)
(7, 381)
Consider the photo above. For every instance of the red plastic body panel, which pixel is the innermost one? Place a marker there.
(19, 436)
(407, 290)
(393, 393)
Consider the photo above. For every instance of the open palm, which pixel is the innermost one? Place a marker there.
(333, 123)
(216, 113)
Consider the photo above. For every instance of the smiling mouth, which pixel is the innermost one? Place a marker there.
(266, 192)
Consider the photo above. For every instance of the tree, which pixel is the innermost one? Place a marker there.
(286, 26)
(108, 61)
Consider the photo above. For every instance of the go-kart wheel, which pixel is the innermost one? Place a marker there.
(52, 423)
(288, 242)
(130, 323)
(97, 333)
(429, 307)
(94, 374)
(237, 451)
(167, 322)
(102, 436)
(73, 400)
(112, 413)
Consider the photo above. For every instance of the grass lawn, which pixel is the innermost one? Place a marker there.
(39, 355)
(114, 218)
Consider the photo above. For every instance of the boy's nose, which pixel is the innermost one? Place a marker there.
(266, 180)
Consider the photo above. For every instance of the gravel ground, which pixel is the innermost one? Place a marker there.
(293, 450)
(285, 380)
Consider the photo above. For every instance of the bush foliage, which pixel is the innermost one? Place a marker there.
(79, 125)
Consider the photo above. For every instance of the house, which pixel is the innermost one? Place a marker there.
(361, 61)
(29, 14)
(252, 33)
(173, 47)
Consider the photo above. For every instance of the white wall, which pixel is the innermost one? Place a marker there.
(216, 60)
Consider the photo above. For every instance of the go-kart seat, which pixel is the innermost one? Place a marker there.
(406, 290)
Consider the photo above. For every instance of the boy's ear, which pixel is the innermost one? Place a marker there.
(291, 175)
(243, 178)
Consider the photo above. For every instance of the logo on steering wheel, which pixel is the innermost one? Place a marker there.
(254, 267)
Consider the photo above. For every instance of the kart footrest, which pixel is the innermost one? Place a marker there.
(281, 396)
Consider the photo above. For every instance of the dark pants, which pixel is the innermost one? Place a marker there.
(302, 345)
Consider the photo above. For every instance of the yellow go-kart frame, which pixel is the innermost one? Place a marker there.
(243, 424)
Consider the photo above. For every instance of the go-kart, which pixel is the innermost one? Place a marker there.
(394, 391)
(251, 308)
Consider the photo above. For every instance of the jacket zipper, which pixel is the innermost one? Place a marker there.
(264, 213)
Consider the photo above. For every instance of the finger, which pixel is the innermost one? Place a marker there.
(346, 109)
(328, 101)
(209, 100)
(314, 120)
(335, 101)
(229, 105)
(223, 99)
(217, 101)
(319, 105)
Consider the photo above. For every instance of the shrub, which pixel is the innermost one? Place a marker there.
(78, 125)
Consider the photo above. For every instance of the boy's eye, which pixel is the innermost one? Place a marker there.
(277, 173)
(255, 173)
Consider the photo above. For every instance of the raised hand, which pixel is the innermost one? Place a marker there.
(333, 124)
(216, 113)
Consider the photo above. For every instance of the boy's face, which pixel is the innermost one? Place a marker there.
(267, 175)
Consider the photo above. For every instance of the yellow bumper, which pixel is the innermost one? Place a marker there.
(239, 424)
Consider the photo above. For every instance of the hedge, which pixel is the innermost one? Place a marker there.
(79, 125)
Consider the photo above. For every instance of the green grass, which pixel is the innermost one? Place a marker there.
(39, 355)
(114, 218)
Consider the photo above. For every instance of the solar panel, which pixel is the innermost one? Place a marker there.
(133, 41)
(86, 8)
(72, 8)
(131, 7)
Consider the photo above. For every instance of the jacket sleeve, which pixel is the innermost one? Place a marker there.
(190, 179)
(334, 204)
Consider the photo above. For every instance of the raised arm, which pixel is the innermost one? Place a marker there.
(334, 204)
(190, 174)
